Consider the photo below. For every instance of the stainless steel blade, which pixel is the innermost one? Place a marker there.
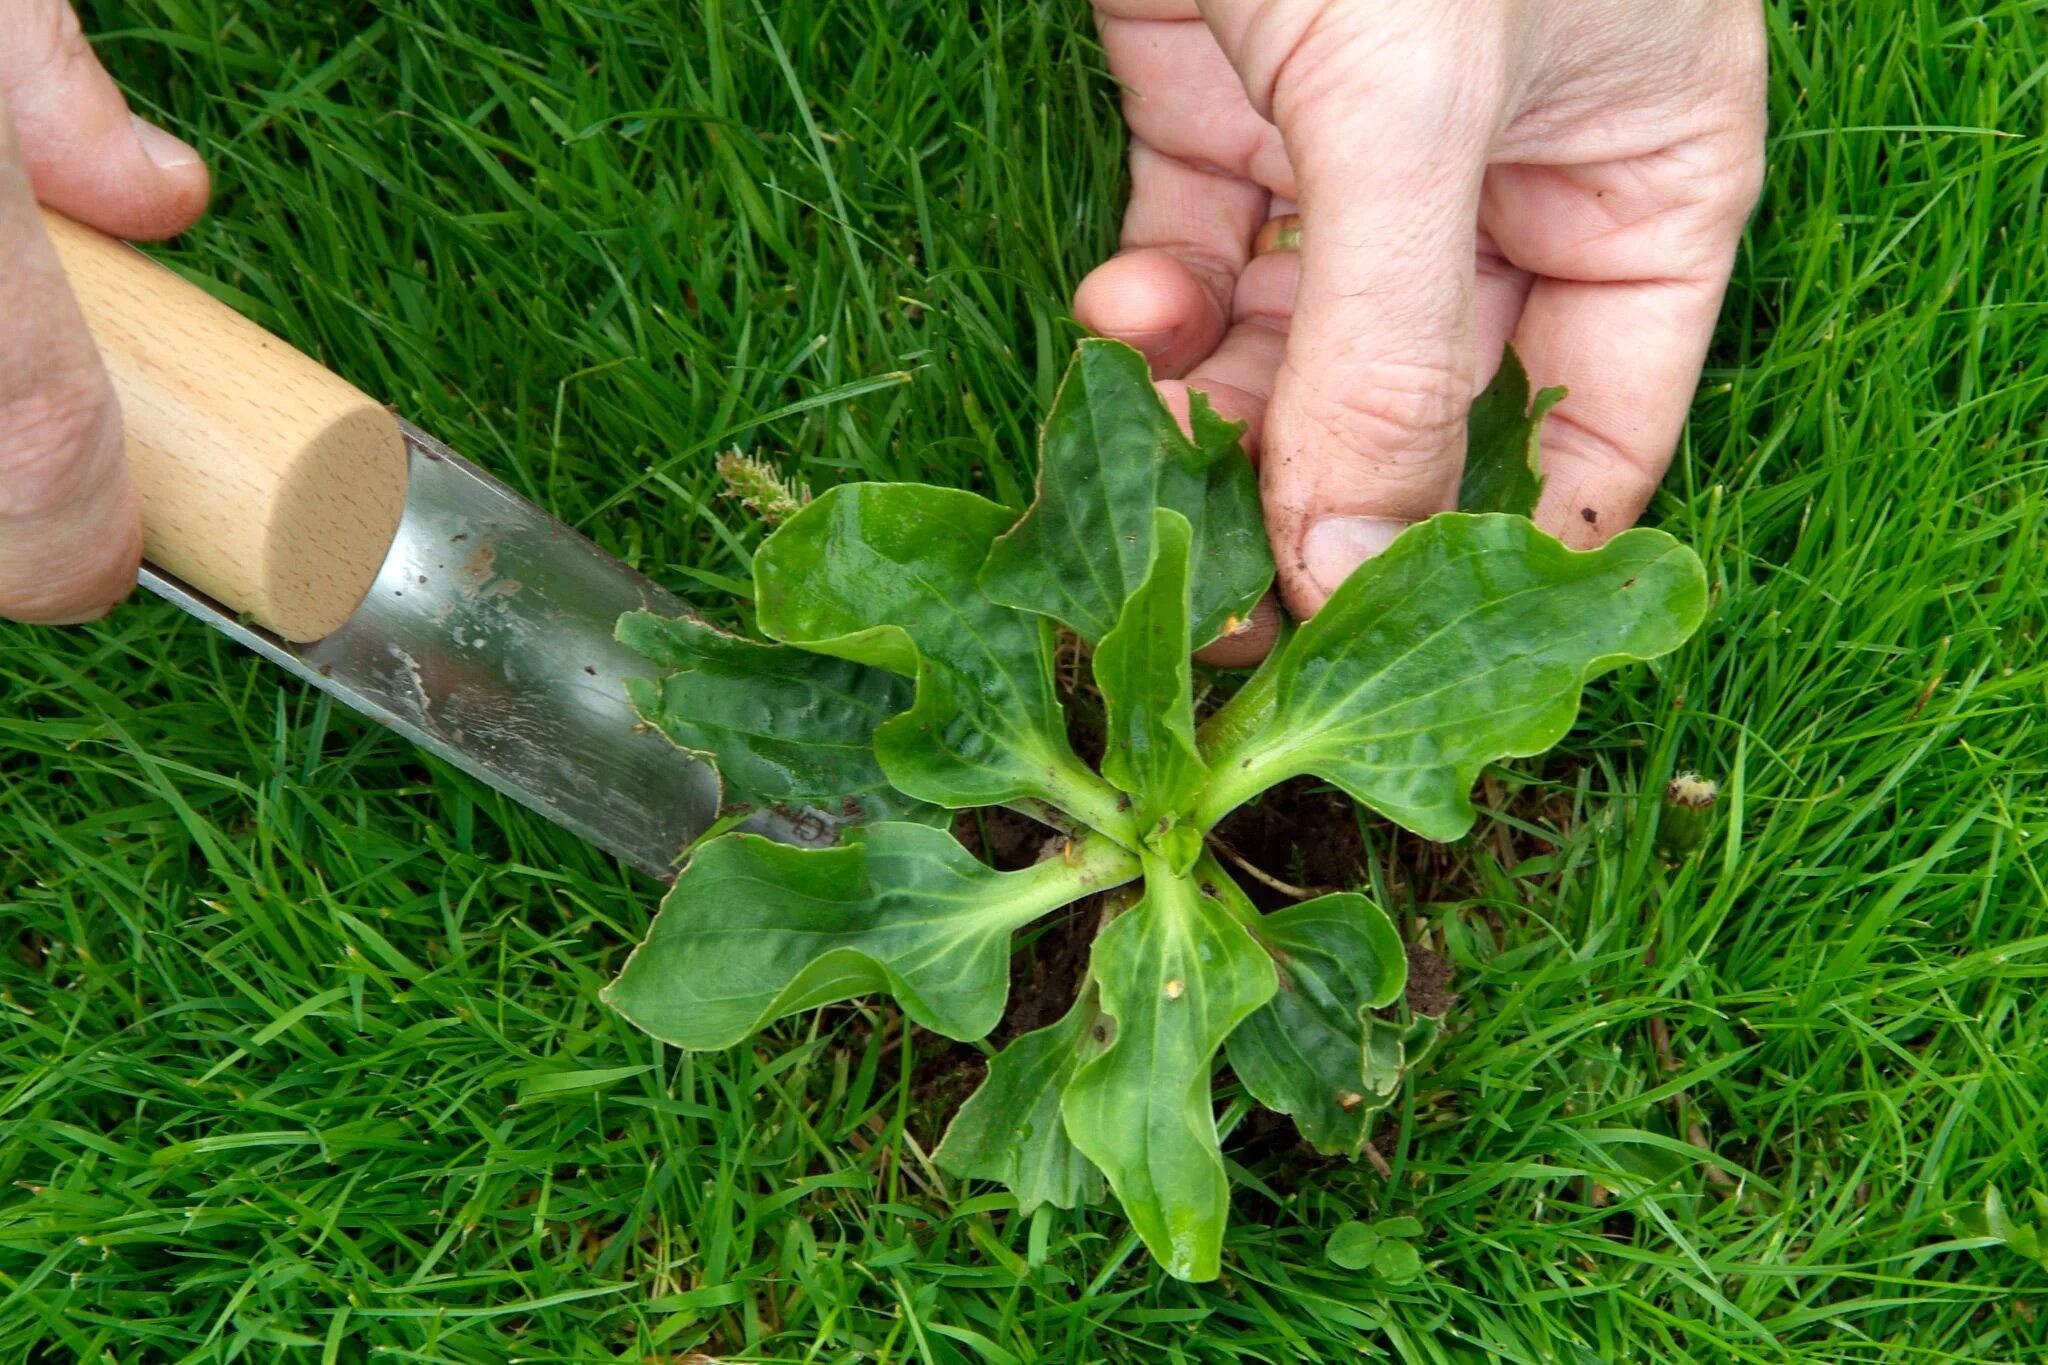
(487, 640)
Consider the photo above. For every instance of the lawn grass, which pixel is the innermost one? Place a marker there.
(302, 1055)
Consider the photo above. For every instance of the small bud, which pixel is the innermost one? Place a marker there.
(1688, 811)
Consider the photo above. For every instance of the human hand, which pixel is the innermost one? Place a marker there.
(1569, 175)
(70, 534)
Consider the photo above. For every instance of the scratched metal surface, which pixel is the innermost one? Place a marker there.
(487, 640)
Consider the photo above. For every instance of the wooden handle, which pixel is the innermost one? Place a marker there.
(267, 482)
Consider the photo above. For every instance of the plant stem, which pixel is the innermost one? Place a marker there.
(1248, 711)
(1095, 804)
(1238, 778)
(1213, 876)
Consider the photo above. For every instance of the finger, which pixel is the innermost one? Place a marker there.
(85, 153)
(1637, 256)
(1630, 355)
(1186, 235)
(1237, 376)
(1365, 433)
(1187, 228)
(1238, 379)
(1250, 642)
(70, 537)
(1182, 97)
(1500, 290)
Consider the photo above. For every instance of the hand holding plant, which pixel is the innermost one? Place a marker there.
(1569, 175)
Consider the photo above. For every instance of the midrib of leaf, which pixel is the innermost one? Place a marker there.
(966, 627)
(1272, 756)
(1110, 592)
(1025, 895)
(1098, 1122)
(1491, 605)
(1028, 741)
(1088, 555)
(784, 738)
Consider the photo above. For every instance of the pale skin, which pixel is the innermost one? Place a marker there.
(70, 537)
(1571, 175)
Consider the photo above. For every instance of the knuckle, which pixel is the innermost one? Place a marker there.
(1746, 176)
(1419, 78)
(49, 437)
(54, 42)
(1399, 414)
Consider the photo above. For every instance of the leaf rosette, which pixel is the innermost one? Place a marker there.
(910, 674)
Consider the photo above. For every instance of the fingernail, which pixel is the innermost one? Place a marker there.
(1335, 546)
(167, 152)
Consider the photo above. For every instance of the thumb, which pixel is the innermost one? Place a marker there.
(85, 154)
(1366, 430)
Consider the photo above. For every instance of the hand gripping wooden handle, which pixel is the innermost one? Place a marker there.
(267, 482)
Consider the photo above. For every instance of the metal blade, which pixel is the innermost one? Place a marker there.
(487, 640)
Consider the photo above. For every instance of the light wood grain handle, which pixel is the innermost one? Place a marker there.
(267, 482)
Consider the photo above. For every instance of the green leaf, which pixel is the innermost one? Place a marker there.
(1177, 973)
(1010, 1129)
(1402, 1225)
(1143, 670)
(1396, 1261)
(1305, 1052)
(1178, 845)
(1503, 470)
(780, 725)
(1392, 1050)
(754, 930)
(1469, 639)
(1994, 1221)
(1351, 1246)
(884, 574)
(1109, 454)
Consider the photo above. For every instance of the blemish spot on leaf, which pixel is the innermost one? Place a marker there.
(1175, 988)
(1349, 1099)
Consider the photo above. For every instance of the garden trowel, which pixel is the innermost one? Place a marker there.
(292, 513)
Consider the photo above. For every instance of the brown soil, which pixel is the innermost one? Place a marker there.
(1045, 971)
(1304, 833)
(1429, 983)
